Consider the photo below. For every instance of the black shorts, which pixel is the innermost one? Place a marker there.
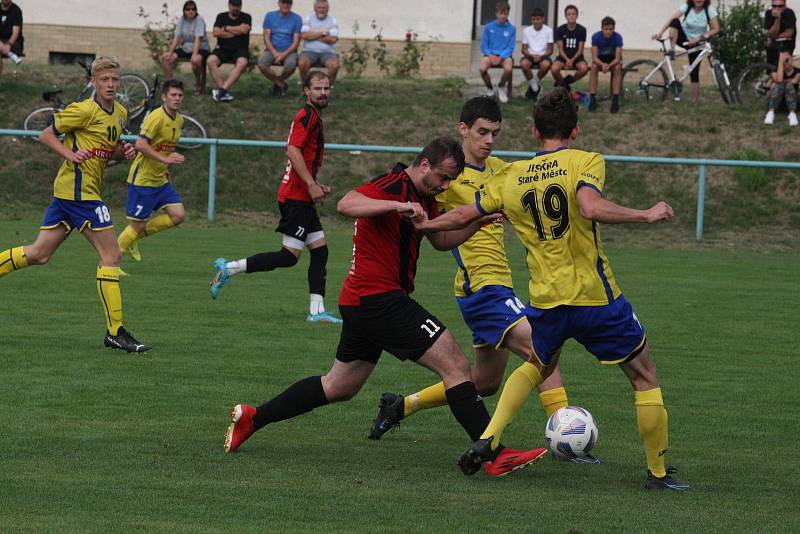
(227, 55)
(534, 64)
(774, 52)
(187, 56)
(578, 59)
(298, 219)
(606, 59)
(393, 322)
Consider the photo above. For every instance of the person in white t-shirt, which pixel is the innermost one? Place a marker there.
(319, 33)
(537, 48)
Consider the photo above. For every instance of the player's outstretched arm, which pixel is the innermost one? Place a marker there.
(355, 205)
(593, 206)
(143, 146)
(457, 219)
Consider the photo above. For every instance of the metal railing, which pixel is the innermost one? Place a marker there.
(701, 164)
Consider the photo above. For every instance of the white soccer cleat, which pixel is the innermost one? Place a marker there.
(770, 118)
(792, 119)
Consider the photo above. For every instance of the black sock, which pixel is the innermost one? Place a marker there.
(316, 270)
(592, 98)
(299, 398)
(615, 98)
(468, 409)
(267, 261)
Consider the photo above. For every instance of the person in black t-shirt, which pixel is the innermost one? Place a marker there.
(570, 38)
(11, 40)
(232, 30)
(781, 25)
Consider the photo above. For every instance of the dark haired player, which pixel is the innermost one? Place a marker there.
(555, 203)
(299, 191)
(149, 185)
(483, 286)
(377, 309)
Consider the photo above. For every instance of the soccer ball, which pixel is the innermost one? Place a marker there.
(571, 431)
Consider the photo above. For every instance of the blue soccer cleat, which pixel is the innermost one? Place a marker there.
(220, 276)
(665, 482)
(323, 317)
(586, 459)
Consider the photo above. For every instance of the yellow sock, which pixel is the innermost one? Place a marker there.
(553, 400)
(516, 391)
(653, 428)
(110, 297)
(158, 224)
(127, 237)
(12, 259)
(430, 397)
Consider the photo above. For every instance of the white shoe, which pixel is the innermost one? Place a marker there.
(502, 94)
(770, 118)
(15, 58)
(535, 85)
(792, 119)
(491, 93)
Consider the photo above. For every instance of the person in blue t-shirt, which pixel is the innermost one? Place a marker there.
(606, 57)
(281, 39)
(497, 45)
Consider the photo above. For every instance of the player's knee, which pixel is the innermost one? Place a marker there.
(340, 392)
(288, 258)
(178, 218)
(486, 387)
(36, 256)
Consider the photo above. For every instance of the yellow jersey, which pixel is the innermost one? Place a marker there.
(565, 256)
(482, 258)
(87, 125)
(162, 132)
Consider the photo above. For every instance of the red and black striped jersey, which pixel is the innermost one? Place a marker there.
(386, 247)
(305, 134)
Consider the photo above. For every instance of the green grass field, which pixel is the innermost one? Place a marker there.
(97, 440)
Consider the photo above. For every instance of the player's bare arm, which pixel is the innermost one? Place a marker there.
(50, 140)
(456, 219)
(124, 150)
(593, 206)
(450, 239)
(143, 146)
(356, 205)
(315, 189)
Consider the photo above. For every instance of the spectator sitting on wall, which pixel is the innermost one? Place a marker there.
(695, 21)
(320, 33)
(281, 39)
(497, 45)
(781, 25)
(189, 44)
(784, 86)
(537, 48)
(606, 57)
(232, 30)
(11, 40)
(571, 39)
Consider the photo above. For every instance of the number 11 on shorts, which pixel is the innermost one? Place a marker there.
(430, 327)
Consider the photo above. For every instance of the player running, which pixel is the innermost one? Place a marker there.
(92, 130)
(483, 287)
(378, 312)
(149, 186)
(555, 204)
(299, 191)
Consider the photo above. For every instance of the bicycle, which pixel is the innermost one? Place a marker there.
(191, 126)
(659, 79)
(132, 94)
(755, 82)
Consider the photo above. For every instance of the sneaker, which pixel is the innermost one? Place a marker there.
(665, 482)
(614, 106)
(124, 341)
(472, 459)
(220, 276)
(534, 85)
(770, 118)
(241, 426)
(491, 93)
(225, 96)
(510, 460)
(529, 93)
(323, 317)
(15, 58)
(215, 95)
(390, 414)
(592, 104)
(502, 94)
(587, 459)
(568, 79)
(792, 119)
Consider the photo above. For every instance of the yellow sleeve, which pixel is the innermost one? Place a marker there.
(490, 199)
(73, 117)
(151, 126)
(592, 172)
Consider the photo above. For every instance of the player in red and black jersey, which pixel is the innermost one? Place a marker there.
(299, 191)
(376, 307)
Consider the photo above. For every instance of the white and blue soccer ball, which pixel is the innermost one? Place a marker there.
(571, 431)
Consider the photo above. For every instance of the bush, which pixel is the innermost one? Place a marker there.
(744, 41)
(412, 54)
(157, 35)
(381, 52)
(751, 178)
(356, 57)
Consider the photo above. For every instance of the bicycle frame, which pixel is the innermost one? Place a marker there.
(704, 48)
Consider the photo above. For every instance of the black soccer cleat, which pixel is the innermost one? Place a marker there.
(389, 415)
(124, 341)
(665, 482)
(471, 459)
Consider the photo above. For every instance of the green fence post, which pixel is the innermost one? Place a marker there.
(212, 180)
(701, 199)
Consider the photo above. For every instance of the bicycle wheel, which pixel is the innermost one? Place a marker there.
(133, 92)
(723, 83)
(191, 128)
(38, 119)
(649, 83)
(754, 84)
